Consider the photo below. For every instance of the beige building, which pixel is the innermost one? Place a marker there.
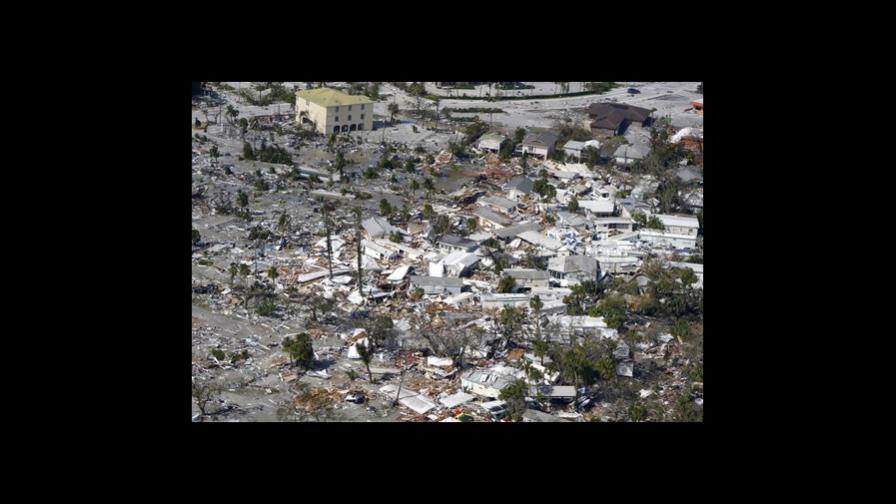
(333, 111)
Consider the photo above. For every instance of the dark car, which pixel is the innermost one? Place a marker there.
(632, 90)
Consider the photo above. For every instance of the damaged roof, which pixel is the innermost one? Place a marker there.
(573, 264)
(612, 115)
(544, 139)
(520, 183)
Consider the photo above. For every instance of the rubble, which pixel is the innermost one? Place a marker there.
(280, 248)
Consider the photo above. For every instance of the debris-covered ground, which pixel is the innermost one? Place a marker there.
(403, 274)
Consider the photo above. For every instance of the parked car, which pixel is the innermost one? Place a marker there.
(632, 90)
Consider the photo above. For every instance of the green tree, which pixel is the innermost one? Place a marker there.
(385, 207)
(366, 356)
(509, 323)
(428, 185)
(272, 273)
(472, 224)
(515, 395)
(428, 212)
(204, 394)
(535, 306)
(590, 156)
(414, 186)
(196, 237)
(612, 309)
(395, 236)
(232, 113)
(543, 188)
(518, 135)
(340, 163)
(214, 152)
(574, 205)
(507, 284)
(441, 224)
(242, 199)
(681, 330)
(300, 350)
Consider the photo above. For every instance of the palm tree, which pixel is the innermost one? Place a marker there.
(232, 113)
(272, 273)
(393, 109)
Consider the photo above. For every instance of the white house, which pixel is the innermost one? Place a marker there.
(628, 154)
(459, 263)
(491, 142)
(432, 285)
(599, 207)
(687, 225)
(539, 144)
(572, 270)
(575, 148)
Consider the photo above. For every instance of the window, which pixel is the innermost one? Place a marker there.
(362, 117)
(349, 108)
(337, 108)
(362, 106)
(349, 118)
(337, 119)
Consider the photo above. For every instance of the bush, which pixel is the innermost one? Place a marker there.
(266, 308)
(196, 237)
(507, 284)
(218, 354)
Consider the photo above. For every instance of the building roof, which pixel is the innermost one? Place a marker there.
(536, 238)
(553, 391)
(492, 137)
(513, 231)
(326, 97)
(630, 151)
(616, 113)
(599, 205)
(520, 183)
(489, 215)
(544, 139)
(573, 264)
(465, 259)
(574, 145)
(571, 219)
(436, 281)
(457, 241)
(377, 226)
(497, 201)
(527, 274)
(679, 220)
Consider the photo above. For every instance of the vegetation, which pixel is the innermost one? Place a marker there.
(204, 394)
(600, 87)
(613, 309)
(507, 284)
(515, 395)
(196, 237)
(366, 356)
(510, 322)
(573, 205)
(385, 207)
(544, 189)
(300, 350)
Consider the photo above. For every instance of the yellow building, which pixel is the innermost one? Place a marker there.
(333, 111)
